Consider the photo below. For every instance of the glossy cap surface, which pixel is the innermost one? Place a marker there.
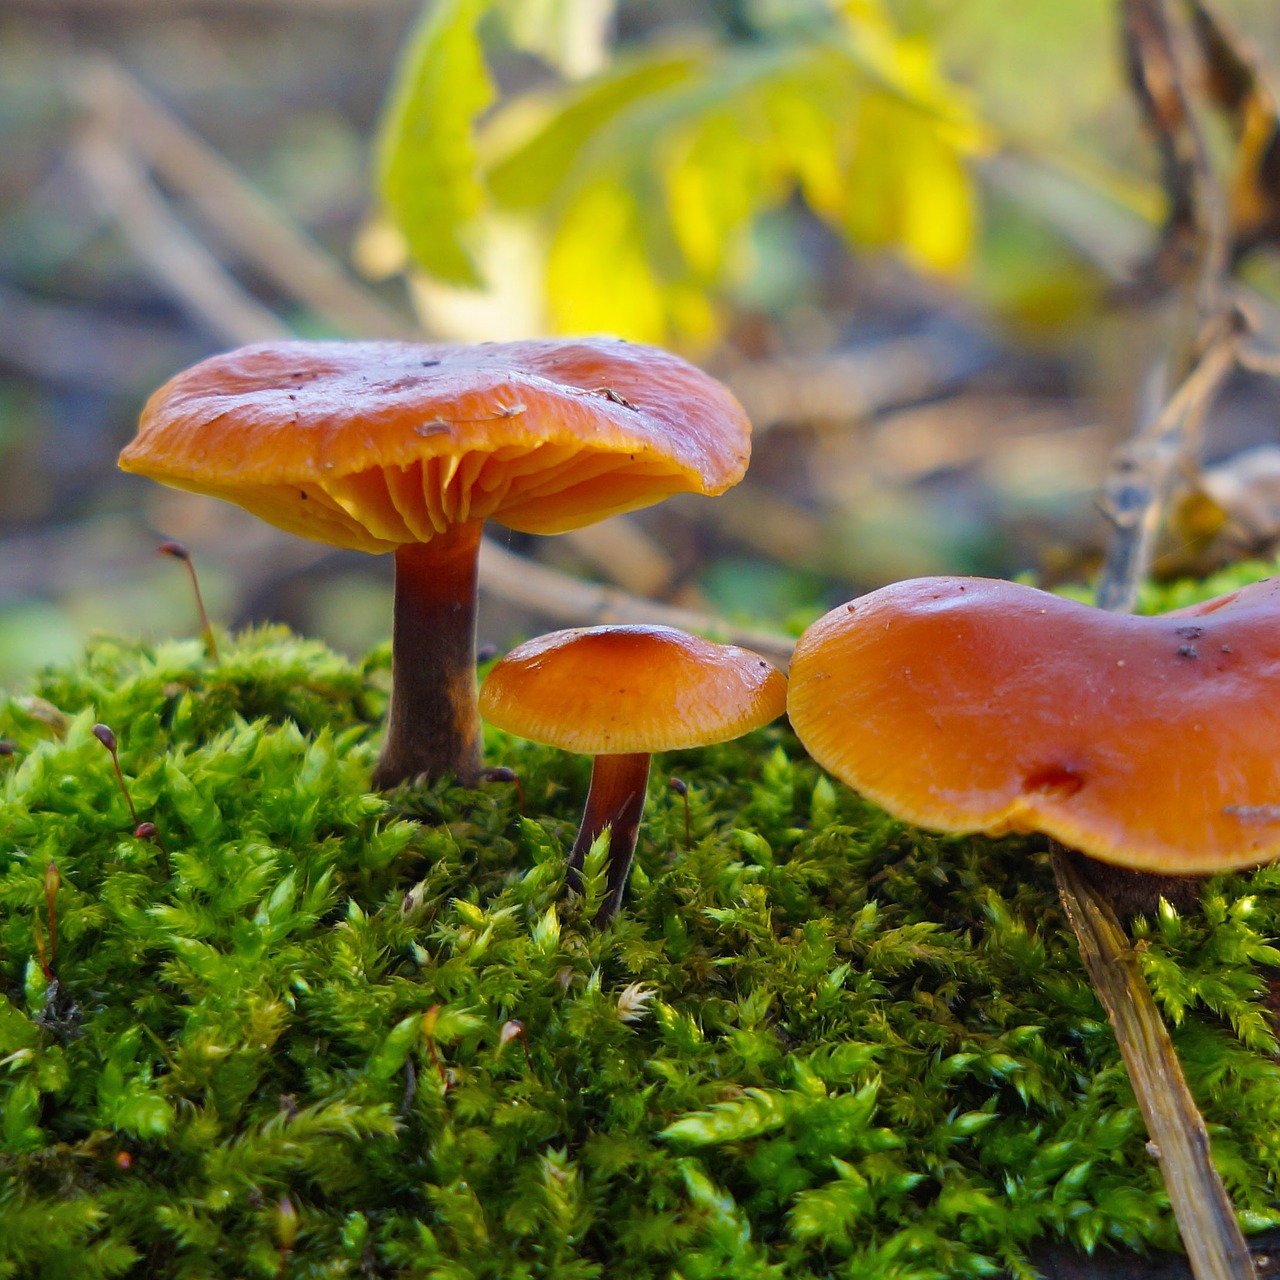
(371, 445)
(965, 704)
(622, 690)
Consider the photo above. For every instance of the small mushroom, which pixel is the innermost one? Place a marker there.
(966, 704)
(620, 694)
(410, 447)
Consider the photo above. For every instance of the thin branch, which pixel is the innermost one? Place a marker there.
(621, 550)
(848, 386)
(1179, 1139)
(1200, 355)
(183, 266)
(80, 345)
(1144, 472)
(577, 603)
(1254, 360)
(251, 225)
(147, 8)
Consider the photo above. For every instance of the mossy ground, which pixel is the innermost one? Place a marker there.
(816, 1043)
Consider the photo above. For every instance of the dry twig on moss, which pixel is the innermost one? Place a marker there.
(1201, 351)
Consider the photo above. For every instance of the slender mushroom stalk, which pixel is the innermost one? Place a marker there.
(614, 800)
(176, 551)
(620, 694)
(433, 725)
(409, 447)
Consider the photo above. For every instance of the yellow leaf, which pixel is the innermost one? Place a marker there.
(599, 279)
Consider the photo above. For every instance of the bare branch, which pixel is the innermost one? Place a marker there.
(149, 8)
(1202, 349)
(253, 226)
(184, 267)
(1179, 1139)
(1144, 472)
(577, 603)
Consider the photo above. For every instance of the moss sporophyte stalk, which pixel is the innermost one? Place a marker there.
(815, 1043)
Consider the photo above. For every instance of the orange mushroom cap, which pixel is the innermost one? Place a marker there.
(630, 690)
(965, 704)
(373, 445)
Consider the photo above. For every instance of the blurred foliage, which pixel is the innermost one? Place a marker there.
(644, 184)
(355, 1035)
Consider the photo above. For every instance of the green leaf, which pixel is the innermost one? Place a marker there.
(826, 1214)
(534, 174)
(758, 1111)
(21, 1128)
(193, 805)
(393, 1051)
(426, 155)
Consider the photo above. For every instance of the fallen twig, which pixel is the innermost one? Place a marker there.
(1144, 471)
(302, 8)
(620, 549)
(578, 603)
(253, 226)
(1195, 255)
(1179, 1140)
(185, 269)
(848, 386)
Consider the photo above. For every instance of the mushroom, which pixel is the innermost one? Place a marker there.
(966, 704)
(1149, 744)
(620, 694)
(410, 447)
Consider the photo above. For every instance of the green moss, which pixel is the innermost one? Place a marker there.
(817, 1043)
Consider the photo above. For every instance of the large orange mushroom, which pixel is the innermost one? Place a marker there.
(620, 693)
(965, 704)
(410, 447)
(1151, 744)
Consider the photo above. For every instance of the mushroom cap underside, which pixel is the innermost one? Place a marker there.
(624, 690)
(966, 705)
(371, 445)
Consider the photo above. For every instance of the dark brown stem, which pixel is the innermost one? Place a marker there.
(178, 552)
(615, 800)
(108, 739)
(149, 831)
(433, 725)
(681, 789)
(1179, 1140)
(52, 882)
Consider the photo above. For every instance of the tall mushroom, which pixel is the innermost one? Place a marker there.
(410, 447)
(620, 694)
(1148, 743)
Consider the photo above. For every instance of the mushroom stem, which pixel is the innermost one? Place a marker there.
(615, 800)
(1206, 1221)
(433, 724)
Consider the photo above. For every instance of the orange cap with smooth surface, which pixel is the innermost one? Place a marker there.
(372, 445)
(630, 690)
(966, 704)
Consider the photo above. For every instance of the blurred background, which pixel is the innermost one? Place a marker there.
(909, 235)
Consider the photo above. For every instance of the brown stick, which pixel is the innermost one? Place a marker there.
(211, 8)
(433, 722)
(1179, 1140)
(1200, 355)
(182, 265)
(253, 226)
(1144, 472)
(615, 800)
(557, 595)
